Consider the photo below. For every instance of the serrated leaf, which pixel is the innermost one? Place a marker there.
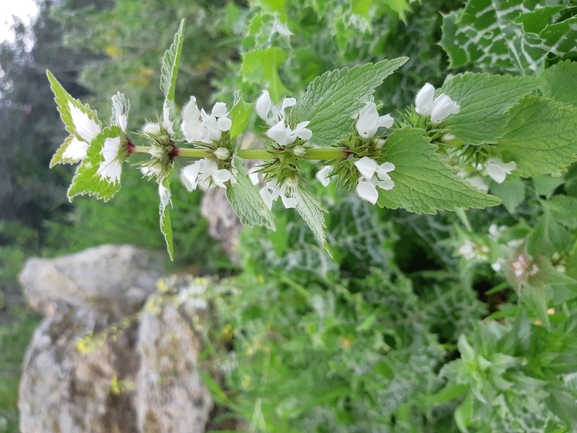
(246, 201)
(120, 109)
(484, 99)
(170, 63)
(423, 183)
(164, 211)
(312, 212)
(563, 209)
(259, 66)
(514, 35)
(240, 115)
(58, 157)
(540, 136)
(333, 100)
(87, 180)
(511, 192)
(561, 82)
(63, 101)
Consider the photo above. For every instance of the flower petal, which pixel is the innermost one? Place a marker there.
(266, 196)
(443, 108)
(189, 176)
(368, 121)
(224, 123)
(367, 191)
(263, 105)
(366, 167)
(289, 202)
(191, 126)
(111, 167)
(219, 109)
(323, 175)
(424, 100)
(281, 134)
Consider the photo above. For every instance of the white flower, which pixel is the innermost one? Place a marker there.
(439, 109)
(86, 128)
(199, 126)
(204, 173)
(269, 112)
(369, 121)
(272, 191)
(425, 99)
(283, 134)
(280, 131)
(166, 122)
(467, 250)
(479, 183)
(498, 170)
(254, 174)
(521, 267)
(443, 108)
(373, 175)
(111, 167)
(323, 175)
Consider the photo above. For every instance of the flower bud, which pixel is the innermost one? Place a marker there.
(424, 100)
(222, 153)
(299, 151)
(151, 128)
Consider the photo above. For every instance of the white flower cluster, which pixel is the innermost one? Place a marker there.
(198, 126)
(438, 108)
(373, 175)
(279, 129)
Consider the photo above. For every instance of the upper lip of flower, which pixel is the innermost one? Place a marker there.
(369, 120)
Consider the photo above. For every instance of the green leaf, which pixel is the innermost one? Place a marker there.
(546, 184)
(540, 136)
(240, 115)
(511, 192)
(87, 180)
(362, 8)
(63, 101)
(484, 99)
(514, 35)
(548, 237)
(449, 392)
(464, 414)
(423, 183)
(246, 201)
(262, 65)
(563, 209)
(164, 211)
(312, 213)
(561, 82)
(276, 6)
(170, 63)
(562, 404)
(333, 100)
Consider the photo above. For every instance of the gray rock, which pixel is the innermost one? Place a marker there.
(170, 395)
(113, 279)
(136, 372)
(64, 390)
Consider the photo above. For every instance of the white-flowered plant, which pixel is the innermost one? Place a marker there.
(498, 170)
(272, 191)
(369, 121)
(205, 173)
(373, 175)
(197, 126)
(280, 131)
(438, 108)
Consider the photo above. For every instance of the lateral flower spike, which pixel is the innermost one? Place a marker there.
(279, 130)
(373, 175)
(369, 121)
(498, 170)
(437, 108)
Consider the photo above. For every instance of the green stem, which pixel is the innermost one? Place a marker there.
(140, 149)
(194, 153)
(326, 153)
